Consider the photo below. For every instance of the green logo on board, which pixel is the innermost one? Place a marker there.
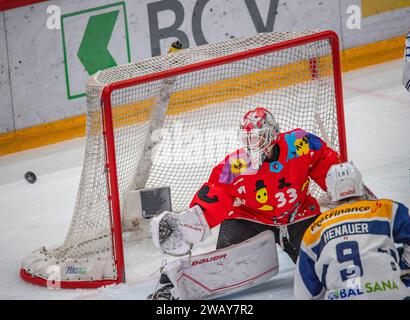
(93, 40)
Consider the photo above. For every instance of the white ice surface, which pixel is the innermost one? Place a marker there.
(377, 113)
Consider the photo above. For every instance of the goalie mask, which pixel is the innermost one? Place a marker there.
(258, 131)
(344, 181)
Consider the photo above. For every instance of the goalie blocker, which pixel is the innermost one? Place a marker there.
(140, 205)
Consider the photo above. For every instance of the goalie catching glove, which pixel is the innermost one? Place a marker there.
(176, 233)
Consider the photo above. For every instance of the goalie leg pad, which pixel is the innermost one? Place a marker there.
(226, 270)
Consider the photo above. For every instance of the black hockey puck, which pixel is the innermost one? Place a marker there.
(30, 177)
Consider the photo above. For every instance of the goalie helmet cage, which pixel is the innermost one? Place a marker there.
(202, 92)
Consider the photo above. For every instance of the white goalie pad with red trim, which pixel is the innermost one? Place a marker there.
(227, 270)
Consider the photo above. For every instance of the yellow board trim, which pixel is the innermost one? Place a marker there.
(42, 135)
(374, 7)
(74, 127)
(373, 53)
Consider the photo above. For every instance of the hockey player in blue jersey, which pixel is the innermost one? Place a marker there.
(349, 252)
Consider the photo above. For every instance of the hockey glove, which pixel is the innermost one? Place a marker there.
(176, 233)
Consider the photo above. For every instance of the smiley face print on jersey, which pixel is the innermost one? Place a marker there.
(302, 146)
(262, 195)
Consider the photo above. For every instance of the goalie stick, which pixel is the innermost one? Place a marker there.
(129, 220)
(156, 124)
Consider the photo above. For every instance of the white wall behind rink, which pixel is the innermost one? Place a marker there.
(6, 112)
(33, 56)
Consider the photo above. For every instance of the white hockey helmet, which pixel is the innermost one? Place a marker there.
(258, 131)
(343, 181)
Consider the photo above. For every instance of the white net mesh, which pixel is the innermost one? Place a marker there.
(202, 113)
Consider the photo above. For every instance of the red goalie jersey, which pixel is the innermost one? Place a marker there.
(275, 194)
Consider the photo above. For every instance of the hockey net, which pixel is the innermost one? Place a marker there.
(168, 120)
